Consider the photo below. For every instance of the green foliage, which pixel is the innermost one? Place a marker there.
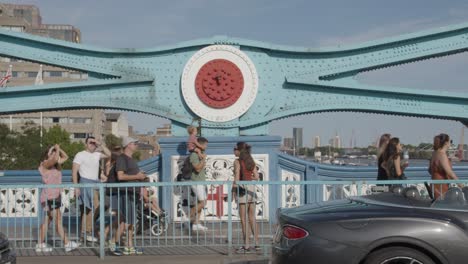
(137, 155)
(112, 141)
(23, 151)
(8, 147)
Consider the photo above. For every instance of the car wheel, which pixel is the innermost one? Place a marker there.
(398, 255)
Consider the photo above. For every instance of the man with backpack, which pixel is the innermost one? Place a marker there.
(198, 174)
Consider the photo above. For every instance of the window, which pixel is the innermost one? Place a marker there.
(55, 74)
(79, 135)
(32, 74)
(14, 74)
(80, 120)
(18, 12)
(14, 28)
(55, 120)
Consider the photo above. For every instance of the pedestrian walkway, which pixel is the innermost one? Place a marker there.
(150, 259)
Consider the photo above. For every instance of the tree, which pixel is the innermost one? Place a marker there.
(58, 135)
(112, 141)
(137, 155)
(23, 151)
(8, 147)
(28, 147)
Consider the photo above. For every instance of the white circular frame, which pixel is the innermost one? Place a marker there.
(247, 68)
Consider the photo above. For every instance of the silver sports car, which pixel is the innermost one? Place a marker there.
(388, 228)
(7, 255)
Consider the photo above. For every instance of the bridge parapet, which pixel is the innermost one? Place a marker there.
(273, 166)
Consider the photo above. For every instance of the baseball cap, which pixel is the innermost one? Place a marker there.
(128, 140)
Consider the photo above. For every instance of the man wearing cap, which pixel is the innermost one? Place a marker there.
(128, 171)
(86, 164)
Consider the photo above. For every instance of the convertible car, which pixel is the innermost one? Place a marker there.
(396, 227)
(7, 256)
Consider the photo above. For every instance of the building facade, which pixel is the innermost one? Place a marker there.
(116, 124)
(337, 142)
(288, 143)
(27, 19)
(317, 142)
(297, 135)
(164, 131)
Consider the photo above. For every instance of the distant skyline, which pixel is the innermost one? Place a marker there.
(145, 23)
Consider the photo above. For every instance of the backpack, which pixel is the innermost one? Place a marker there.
(112, 177)
(187, 169)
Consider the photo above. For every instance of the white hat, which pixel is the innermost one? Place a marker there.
(128, 140)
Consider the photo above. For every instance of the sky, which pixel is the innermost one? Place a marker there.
(150, 23)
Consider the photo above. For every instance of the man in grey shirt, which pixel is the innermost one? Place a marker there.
(128, 171)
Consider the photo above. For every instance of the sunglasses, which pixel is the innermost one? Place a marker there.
(92, 143)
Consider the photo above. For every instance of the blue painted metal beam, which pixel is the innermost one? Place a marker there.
(291, 81)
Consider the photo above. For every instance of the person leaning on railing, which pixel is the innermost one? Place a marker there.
(112, 196)
(440, 166)
(128, 171)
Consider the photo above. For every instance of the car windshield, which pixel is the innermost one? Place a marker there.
(454, 198)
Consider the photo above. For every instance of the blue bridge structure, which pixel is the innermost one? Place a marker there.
(234, 88)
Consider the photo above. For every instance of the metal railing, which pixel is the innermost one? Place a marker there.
(220, 229)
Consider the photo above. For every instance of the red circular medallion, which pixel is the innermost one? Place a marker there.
(219, 83)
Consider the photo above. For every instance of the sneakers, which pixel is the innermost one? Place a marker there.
(43, 247)
(132, 251)
(114, 250)
(90, 238)
(243, 250)
(199, 227)
(71, 245)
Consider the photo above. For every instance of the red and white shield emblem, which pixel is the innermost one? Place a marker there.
(219, 83)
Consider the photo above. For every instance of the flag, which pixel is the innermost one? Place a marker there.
(6, 78)
(39, 80)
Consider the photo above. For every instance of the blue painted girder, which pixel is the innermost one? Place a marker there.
(292, 81)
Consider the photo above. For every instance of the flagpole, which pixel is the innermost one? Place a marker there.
(41, 130)
(7, 76)
(40, 81)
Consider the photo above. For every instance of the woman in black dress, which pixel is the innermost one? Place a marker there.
(383, 142)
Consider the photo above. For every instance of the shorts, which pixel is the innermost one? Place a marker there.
(200, 192)
(113, 201)
(250, 195)
(52, 204)
(89, 196)
(127, 208)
